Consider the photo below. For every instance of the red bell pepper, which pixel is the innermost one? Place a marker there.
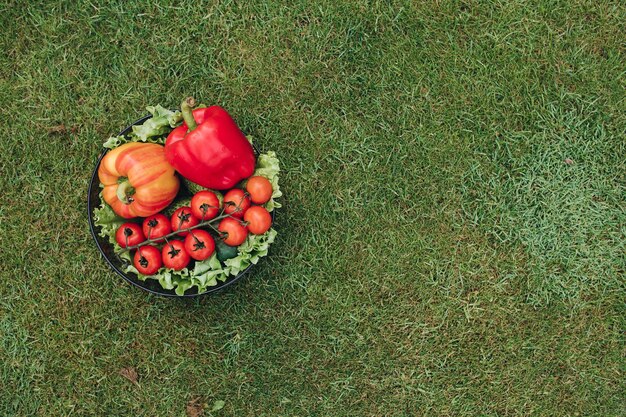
(209, 149)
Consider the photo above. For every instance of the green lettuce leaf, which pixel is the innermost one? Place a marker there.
(152, 130)
(268, 166)
(114, 141)
(206, 273)
(107, 220)
(162, 122)
(170, 279)
(254, 248)
(182, 284)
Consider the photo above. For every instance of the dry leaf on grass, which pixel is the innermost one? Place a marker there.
(195, 408)
(57, 129)
(61, 129)
(130, 374)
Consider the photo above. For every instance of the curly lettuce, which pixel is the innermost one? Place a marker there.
(170, 279)
(107, 220)
(161, 122)
(152, 130)
(114, 141)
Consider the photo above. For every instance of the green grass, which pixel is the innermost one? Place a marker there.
(452, 237)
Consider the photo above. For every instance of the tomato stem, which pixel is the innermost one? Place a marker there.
(186, 108)
(221, 234)
(215, 229)
(174, 234)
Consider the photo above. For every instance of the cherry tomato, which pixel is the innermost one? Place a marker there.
(259, 220)
(236, 202)
(147, 260)
(199, 244)
(236, 233)
(260, 189)
(205, 205)
(129, 234)
(182, 219)
(174, 255)
(156, 226)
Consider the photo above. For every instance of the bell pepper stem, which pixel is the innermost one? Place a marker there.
(124, 191)
(186, 108)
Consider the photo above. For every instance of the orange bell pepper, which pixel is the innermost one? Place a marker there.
(138, 180)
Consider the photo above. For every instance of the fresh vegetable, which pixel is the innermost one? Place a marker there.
(209, 149)
(224, 251)
(147, 260)
(226, 261)
(152, 130)
(138, 181)
(105, 218)
(268, 166)
(182, 219)
(129, 234)
(199, 244)
(236, 202)
(259, 188)
(235, 233)
(205, 205)
(259, 220)
(160, 123)
(174, 255)
(156, 226)
(254, 248)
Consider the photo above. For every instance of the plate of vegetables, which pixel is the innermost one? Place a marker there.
(181, 203)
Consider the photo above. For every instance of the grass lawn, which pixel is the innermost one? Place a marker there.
(452, 240)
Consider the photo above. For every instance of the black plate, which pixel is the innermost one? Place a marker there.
(118, 265)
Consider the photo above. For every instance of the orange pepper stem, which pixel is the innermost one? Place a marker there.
(124, 192)
(186, 108)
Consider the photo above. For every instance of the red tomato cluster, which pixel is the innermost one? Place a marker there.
(182, 235)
